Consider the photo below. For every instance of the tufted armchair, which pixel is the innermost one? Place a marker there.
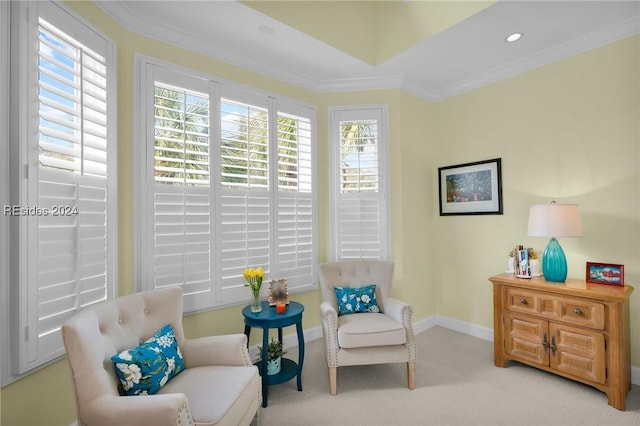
(365, 338)
(219, 385)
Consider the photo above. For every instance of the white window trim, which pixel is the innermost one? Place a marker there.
(142, 107)
(24, 17)
(334, 174)
(4, 187)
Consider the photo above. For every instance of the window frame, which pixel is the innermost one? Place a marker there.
(219, 89)
(359, 112)
(20, 300)
(5, 175)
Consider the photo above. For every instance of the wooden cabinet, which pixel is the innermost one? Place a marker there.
(575, 329)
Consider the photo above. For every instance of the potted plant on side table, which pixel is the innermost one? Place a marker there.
(274, 356)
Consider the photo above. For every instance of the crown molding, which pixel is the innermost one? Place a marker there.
(145, 26)
(593, 40)
(148, 27)
(361, 83)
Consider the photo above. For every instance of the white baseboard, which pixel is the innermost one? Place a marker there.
(474, 330)
(635, 375)
(481, 332)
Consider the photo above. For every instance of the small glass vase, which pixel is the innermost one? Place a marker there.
(256, 306)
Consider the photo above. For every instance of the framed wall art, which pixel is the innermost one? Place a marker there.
(605, 273)
(471, 188)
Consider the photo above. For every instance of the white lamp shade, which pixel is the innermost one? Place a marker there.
(554, 220)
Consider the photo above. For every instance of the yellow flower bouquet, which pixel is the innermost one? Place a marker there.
(254, 282)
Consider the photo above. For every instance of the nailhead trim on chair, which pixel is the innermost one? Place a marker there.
(246, 358)
(184, 416)
(331, 321)
(412, 349)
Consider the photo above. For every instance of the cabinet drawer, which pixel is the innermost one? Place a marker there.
(581, 312)
(518, 300)
(574, 311)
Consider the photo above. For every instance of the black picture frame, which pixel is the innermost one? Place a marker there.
(471, 188)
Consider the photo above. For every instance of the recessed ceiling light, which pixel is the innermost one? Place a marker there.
(266, 29)
(513, 37)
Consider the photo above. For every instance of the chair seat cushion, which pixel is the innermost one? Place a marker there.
(369, 329)
(216, 392)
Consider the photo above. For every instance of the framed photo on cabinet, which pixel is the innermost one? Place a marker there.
(605, 273)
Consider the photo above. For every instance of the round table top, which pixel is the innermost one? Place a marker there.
(269, 318)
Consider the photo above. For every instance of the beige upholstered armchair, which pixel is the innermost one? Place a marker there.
(218, 386)
(370, 337)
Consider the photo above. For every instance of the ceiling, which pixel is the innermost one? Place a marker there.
(433, 49)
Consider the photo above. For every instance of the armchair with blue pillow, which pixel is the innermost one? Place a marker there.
(132, 365)
(361, 323)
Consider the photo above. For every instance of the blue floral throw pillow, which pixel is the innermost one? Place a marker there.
(353, 300)
(145, 369)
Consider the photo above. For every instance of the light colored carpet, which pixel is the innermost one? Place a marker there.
(456, 384)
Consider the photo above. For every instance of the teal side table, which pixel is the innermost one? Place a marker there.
(269, 318)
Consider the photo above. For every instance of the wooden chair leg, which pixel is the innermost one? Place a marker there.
(333, 385)
(411, 374)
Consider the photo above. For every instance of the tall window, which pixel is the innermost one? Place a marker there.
(359, 197)
(227, 176)
(5, 177)
(63, 203)
(181, 178)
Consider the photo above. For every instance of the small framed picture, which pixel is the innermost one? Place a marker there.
(605, 273)
(278, 292)
(471, 188)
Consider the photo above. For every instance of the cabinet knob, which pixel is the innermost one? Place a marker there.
(523, 301)
(577, 311)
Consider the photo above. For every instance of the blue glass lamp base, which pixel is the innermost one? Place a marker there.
(554, 262)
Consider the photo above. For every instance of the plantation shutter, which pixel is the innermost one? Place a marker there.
(181, 193)
(360, 221)
(245, 203)
(295, 227)
(71, 233)
(228, 177)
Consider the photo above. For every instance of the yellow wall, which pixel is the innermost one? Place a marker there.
(568, 131)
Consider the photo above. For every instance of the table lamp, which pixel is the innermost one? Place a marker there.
(554, 220)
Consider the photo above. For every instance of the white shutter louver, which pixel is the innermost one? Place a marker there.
(295, 230)
(71, 247)
(244, 239)
(245, 203)
(359, 227)
(181, 136)
(181, 199)
(358, 156)
(360, 220)
(359, 212)
(244, 148)
(233, 192)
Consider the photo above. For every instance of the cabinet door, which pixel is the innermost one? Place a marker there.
(578, 352)
(526, 338)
